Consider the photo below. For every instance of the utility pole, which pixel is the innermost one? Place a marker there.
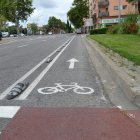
(119, 12)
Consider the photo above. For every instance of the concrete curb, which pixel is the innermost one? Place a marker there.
(127, 84)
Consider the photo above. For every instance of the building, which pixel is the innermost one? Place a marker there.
(105, 12)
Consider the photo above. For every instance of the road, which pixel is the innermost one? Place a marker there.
(65, 98)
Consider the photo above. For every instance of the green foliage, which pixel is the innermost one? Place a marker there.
(113, 29)
(15, 10)
(116, 29)
(99, 31)
(3, 23)
(57, 23)
(139, 29)
(133, 1)
(126, 45)
(46, 28)
(70, 29)
(77, 12)
(110, 29)
(130, 28)
(11, 29)
(68, 26)
(131, 17)
(34, 27)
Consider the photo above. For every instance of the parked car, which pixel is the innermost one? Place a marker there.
(22, 35)
(11, 35)
(49, 33)
(15, 35)
(5, 34)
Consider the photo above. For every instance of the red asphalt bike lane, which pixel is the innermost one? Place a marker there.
(32, 123)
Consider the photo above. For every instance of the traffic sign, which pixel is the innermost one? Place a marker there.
(84, 19)
(28, 25)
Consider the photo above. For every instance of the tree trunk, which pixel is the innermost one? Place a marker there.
(18, 31)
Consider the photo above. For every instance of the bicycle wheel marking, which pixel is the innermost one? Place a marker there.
(61, 88)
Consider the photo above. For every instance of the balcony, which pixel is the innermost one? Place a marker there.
(105, 3)
(94, 13)
(103, 14)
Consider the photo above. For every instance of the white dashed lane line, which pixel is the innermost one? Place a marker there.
(22, 46)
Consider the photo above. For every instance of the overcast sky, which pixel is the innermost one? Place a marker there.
(47, 8)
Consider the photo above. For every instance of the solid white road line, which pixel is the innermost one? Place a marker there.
(4, 94)
(22, 46)
(25, 94)
(8, 111)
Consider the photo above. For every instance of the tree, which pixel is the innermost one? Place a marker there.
(12, 29)
(77, 12)
(133, 1)
(57, 23)
(15, 10)
(67, 25)
(70, 29)
(34, 27)
(3, 23)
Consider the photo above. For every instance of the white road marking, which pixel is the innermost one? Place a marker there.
(60, 88)
(72, 61)
(4, 94)
(22, 46)
(120, 107)
(131, 115)
(8, 111)
(25, 94)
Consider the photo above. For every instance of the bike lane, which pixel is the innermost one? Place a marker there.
(66, 114)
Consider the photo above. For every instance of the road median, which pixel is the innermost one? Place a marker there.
(126, 82)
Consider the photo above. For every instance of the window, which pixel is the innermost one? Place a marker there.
(134, 6)
(99, 10)
(124, 7)
(115, 8)
(106, 9)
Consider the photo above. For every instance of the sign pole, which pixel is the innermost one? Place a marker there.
(119, 13)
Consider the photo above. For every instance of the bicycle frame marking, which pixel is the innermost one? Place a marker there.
(60, 88)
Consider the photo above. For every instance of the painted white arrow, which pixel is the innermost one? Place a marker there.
(72, 61)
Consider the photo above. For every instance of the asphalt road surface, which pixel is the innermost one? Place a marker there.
(65, 98)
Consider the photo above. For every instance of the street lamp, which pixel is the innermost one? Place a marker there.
(37, 23)
(119, 13)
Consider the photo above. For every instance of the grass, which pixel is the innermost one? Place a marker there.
(127, 46)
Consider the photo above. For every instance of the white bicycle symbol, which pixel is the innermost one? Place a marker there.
(60, 88)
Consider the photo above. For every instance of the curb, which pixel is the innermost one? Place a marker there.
(130, 87)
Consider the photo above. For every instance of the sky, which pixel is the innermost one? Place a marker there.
(47, 8)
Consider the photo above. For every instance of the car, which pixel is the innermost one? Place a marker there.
(11, 35)
(5, 34)
(15, 35)
(49, 33)
(22, 34)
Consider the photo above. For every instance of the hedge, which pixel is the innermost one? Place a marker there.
(99, 31)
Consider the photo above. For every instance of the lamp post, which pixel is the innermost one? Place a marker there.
(37, 23)
(119, 13)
